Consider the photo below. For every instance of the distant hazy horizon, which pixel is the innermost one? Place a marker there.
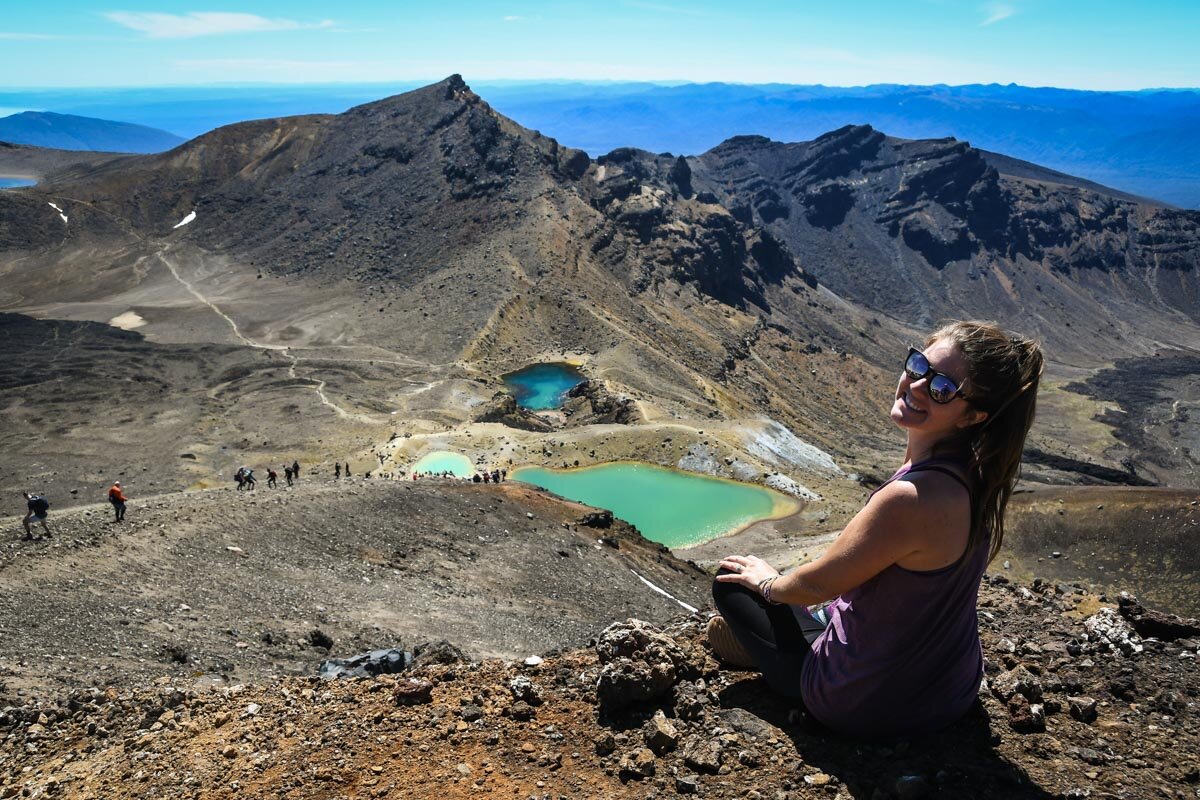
(1107, 45)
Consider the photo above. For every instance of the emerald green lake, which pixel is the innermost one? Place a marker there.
(543, 386)
(669, 507)
(441, 461)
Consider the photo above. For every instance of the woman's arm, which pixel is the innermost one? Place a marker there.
(894, 524)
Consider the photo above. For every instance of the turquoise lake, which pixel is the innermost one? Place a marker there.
(441, 461)
(669, 507)
(12, 183)
(543, 386)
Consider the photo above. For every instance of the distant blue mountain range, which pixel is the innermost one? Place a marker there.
(1142, 142)
(71, 132)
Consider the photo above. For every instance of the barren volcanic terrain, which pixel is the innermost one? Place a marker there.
(351, 289)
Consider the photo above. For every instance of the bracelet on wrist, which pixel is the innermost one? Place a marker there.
(764, 588)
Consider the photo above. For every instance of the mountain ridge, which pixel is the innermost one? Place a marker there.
(718, 287)
(72, 132)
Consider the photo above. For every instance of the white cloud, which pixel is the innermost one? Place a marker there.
(997, 12)
(204, 23)
(513, 18)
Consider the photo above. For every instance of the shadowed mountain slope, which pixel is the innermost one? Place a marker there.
(925, 230)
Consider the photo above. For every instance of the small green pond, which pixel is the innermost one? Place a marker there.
(441, 461)
(543, 386)
(668, 506)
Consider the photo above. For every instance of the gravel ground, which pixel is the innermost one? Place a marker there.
(223, 586)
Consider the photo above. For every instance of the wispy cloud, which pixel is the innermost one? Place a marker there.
(204, 23)
(677, 10)
(513, 18)
(996, 12)
(21, 36)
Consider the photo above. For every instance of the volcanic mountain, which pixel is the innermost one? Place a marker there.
(385, 265)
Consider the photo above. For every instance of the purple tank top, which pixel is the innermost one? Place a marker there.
(901, 654)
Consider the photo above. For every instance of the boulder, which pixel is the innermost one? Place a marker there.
(1082, 708)
(366, 665)
(703, 754)
(637, 765)
(640, 664)
(660, 735)
(439, 652)
(1025, 717)
(1017, 681)
(412, 692)
(525, 690)
(1147, 622)
(597, 519)
(1110, 631)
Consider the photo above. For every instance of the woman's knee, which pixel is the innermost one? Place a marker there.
(723, 591)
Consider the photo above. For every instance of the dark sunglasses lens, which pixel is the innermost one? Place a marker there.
(916, 366)
(942, 389)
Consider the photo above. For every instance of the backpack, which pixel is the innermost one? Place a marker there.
(40, 505)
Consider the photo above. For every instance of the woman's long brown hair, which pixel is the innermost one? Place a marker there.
(1003, 373)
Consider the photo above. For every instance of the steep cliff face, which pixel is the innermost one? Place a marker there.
(687, 239)
(927, 229)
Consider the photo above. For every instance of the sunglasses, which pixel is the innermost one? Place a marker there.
(942, 388)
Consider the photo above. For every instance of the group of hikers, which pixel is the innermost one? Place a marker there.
(495, 476)
(246, 481)
(37, 509)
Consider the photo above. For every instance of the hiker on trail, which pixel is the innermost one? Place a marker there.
(296, 470)
(240, 477)
(248, 478)
(475, 478)
(287, 474)
(487, 477)
(38, 508)
(272, 475)
(337, 470)
(503, 474)
(347, 469)
(118, 500)
(495, 476)
(897, 652)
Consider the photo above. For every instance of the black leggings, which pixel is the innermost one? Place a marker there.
(777, 638)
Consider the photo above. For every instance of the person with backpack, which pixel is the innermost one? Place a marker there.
(240, 477)
(118, 500)
(248, 477)
(337, 470)
(38, 507)
(296, 469)
(272, 475)
(287, 474)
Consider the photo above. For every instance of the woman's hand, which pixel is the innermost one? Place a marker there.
(748, 571)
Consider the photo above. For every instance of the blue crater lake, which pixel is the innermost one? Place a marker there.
(543, 386)
(441, 461)
(13, 183)
(668, 506)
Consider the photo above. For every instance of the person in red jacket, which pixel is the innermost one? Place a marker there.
(118, 500)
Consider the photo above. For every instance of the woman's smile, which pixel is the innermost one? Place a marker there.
(906, 396)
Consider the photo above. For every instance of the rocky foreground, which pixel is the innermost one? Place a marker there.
(1082, 699)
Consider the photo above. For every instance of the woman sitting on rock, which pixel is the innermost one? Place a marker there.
(897, 651)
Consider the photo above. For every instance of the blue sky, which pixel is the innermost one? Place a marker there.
(1092, 44)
